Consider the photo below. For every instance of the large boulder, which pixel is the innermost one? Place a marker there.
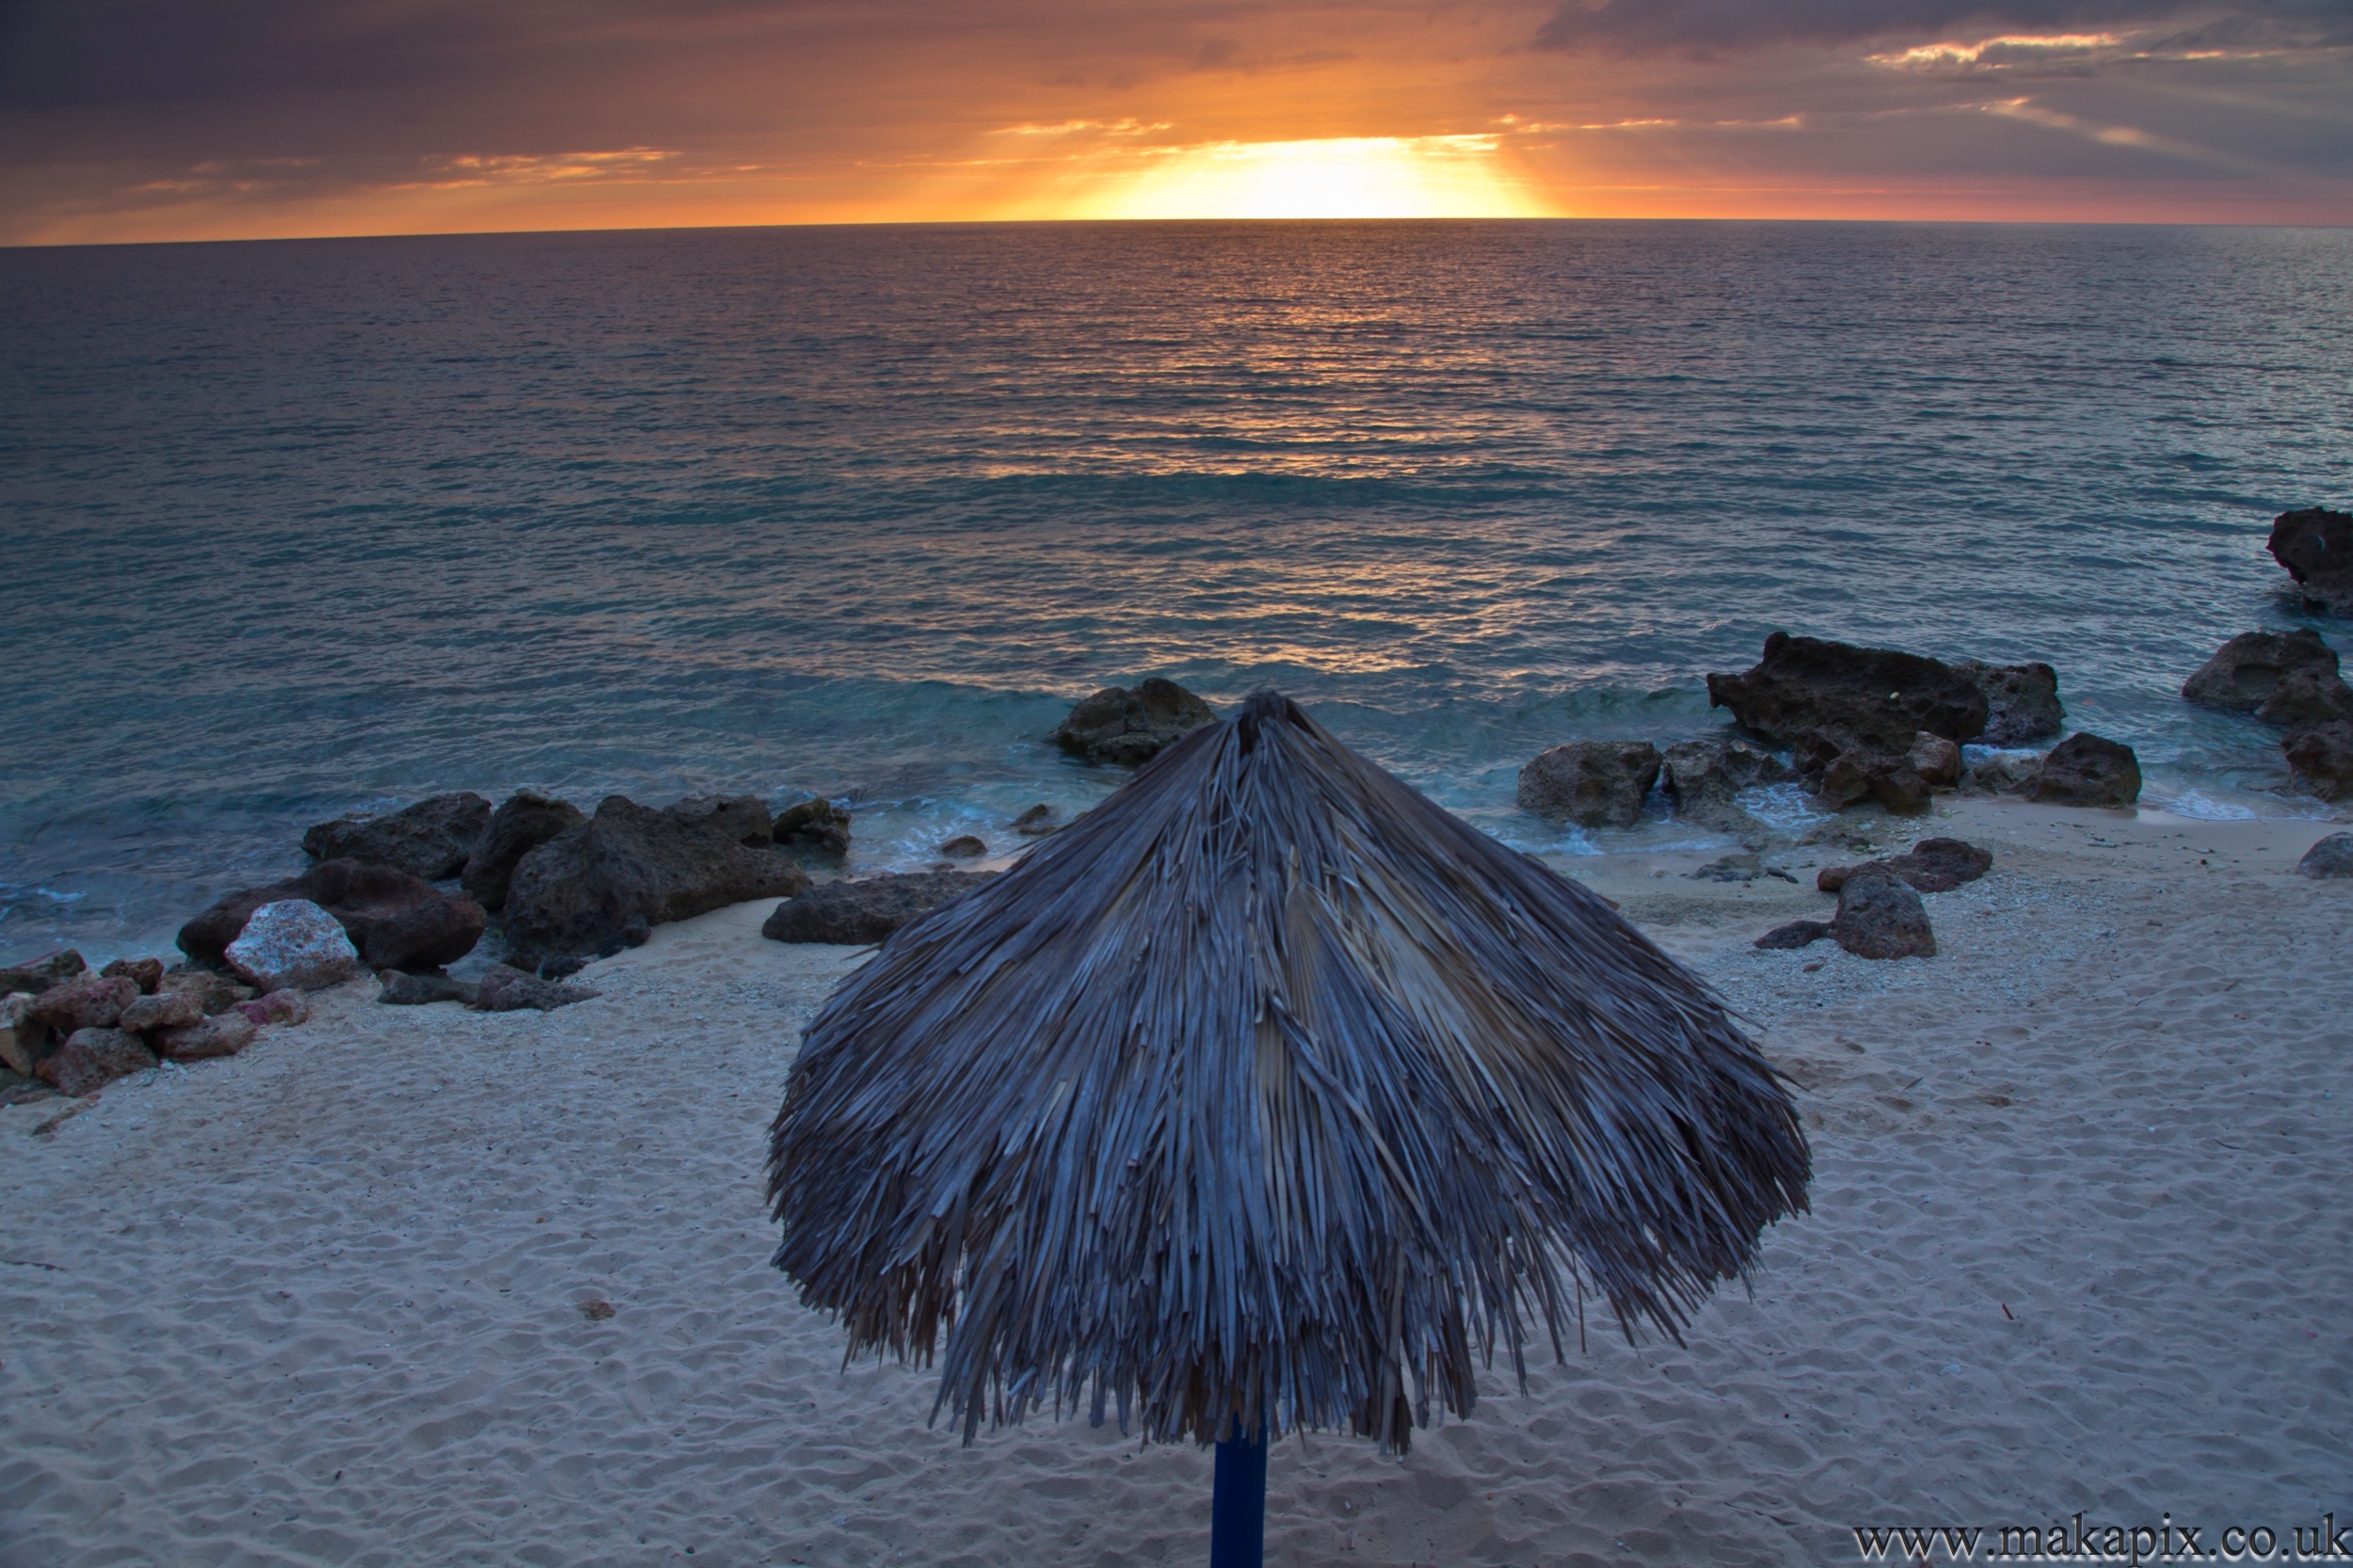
(2316, 545)
(93, 1058)
(1128, 728)
(1705, 777)
(430, 840)
(2320, 759)
(2022, 701)
(292, 943)
(1592, 783)
(2308, 696)
(2330, 857)
(396, 920)
(814, 826)
(2245, 673)
(1880, 916)
(1850, 697)
(743, 819)
(590, 888)
(524, 822)
(37, 975)
(855, 914)
(1931, 866)
(2087, 770)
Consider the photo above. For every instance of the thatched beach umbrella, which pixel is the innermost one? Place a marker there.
(1267, 1096)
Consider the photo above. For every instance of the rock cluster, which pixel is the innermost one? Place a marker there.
(76, 1029)
(1879, 913)
(858, 913)
(2288, 679)
(395, 920)
(1128, 728)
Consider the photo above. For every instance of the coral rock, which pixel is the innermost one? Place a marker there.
(292, 942)
(1128, 728)
(1592, 783)
(430, 840)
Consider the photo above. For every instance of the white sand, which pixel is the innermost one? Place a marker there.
(322, 1304)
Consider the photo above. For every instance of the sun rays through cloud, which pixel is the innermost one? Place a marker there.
(1332, 177)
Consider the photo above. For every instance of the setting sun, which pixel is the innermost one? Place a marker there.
(1334, 176)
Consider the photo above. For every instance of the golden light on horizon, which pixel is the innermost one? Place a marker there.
(1332, 177)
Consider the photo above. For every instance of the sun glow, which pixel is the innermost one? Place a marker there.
(1335, 177)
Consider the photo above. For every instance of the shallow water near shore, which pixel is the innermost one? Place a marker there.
(294, 529)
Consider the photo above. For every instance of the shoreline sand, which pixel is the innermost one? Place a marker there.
(2079, 1242)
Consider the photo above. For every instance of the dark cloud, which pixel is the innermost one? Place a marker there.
(1726, 27)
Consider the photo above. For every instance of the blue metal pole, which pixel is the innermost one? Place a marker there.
(1237, 1506)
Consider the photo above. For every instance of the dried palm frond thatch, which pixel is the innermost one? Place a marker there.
(1268, 1089)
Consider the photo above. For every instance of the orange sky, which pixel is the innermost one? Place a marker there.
(272, 117)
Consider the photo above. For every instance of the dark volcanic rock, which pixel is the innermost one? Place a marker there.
(964, 846)
(2087, 770)
(430, 838)
(1703, 778)
(1037, 822)
(2316, 545)
(1592, 783)
(505, 989)
(741, 818)
(2245, 672)
(1796, 934)
(2320, 758)
(1128, 728)
(814, 826)
(42, 973)
(524, 822)
(2308, 696)
(396, 920)
(1855, 776)
(93, 1058)
(2331, 856)
(1880, 916)
(590, 888)
(1874, 699)
(1931, 866)
(420, 990)
(2022, 701)
(856, 913)
(1936, 759)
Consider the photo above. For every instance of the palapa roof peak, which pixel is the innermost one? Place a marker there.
(1267, 1088)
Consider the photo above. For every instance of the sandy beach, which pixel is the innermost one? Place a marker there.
(410, 1286)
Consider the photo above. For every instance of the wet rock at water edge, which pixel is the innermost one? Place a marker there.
(404, 989)
(430, 840)
(292, 942)
(741, 819)
(524, 822)
(1590, 783)
(2022, 701)
(856, 914)
(1844, 697)
(1037, 822)
(2245, 673)
(2316, 545)
(396, 920)
(1705, 779)
(2330, 857)
(2308, 696)
(93, 1058)
(506, 989)
(2320, 760)
(40, 973)
(1936, 759)
(1128, 727)
(1880, 916)
(1793, 934)
(1862, 774)
(2087, 770)
(207, 1038)
(814, 826)
(589, 889)
(964, 847)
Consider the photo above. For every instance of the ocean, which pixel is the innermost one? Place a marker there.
(292, 529)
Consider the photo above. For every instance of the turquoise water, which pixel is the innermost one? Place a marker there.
(294, 528)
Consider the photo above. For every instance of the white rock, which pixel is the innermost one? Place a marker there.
(292, 943)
